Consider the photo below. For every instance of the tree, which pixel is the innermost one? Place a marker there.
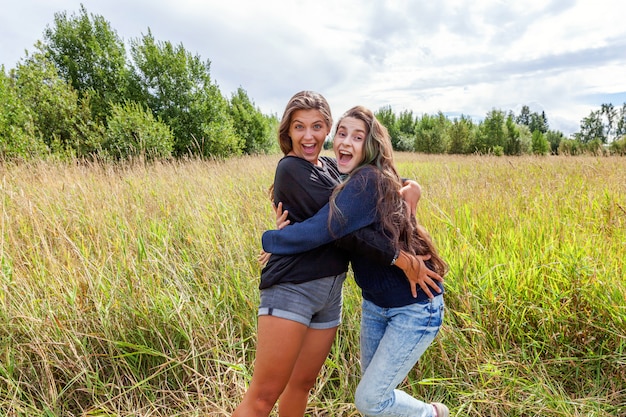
(554, 138)
(387, 118)
(431, 134)
(540, 144)
(538, 122)
(60, 120)
(491, 135)
(250, 124)
(89, 55)
(133, 132)
(524, 116)
(177, 87)
(591, 129)
(512, 144)
(17, 138)
(461, 133)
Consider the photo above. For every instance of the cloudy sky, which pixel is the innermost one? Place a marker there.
(564, 57)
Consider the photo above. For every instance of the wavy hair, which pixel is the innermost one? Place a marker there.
(303, 100)
(400, 227)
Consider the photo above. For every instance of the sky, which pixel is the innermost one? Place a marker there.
(460, 57)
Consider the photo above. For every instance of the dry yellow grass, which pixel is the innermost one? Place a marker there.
(133, 290)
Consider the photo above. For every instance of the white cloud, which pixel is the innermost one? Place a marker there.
(457, 56)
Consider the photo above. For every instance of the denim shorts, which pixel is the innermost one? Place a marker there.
(316, 304)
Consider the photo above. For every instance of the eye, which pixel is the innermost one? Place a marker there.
(318, 126)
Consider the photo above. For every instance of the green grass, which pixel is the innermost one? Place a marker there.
(132, 291)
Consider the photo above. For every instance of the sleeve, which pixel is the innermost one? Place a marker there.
(371, 243)
(357, 206)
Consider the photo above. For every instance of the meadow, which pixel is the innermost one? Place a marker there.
(132, 290)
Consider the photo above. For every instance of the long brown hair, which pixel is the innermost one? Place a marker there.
(403, 229)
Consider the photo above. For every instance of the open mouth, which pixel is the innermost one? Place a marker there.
(344, 157)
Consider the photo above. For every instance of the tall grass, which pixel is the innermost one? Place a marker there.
(132, 291)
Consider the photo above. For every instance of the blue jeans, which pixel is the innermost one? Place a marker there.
(392, 341)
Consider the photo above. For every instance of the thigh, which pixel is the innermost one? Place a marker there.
(409, 332)
(279, 342)
(373, 325)
(315, 349)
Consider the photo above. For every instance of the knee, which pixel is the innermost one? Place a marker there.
(367, 403)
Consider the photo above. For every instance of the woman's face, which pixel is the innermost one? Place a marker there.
(348, 144)
(307, 131)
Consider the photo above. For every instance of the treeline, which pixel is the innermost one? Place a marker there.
(81, 95)
(505, 133)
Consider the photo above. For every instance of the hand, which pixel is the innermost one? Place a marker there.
(411, 193)
(263, 257)
(281, 216)
(418, 273)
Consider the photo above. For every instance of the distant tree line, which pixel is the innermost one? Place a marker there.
(81, 95)
(505, 133)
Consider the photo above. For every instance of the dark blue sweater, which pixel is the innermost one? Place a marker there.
(384, 285)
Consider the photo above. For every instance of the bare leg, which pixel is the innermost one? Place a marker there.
(313, 354)
(278, 347)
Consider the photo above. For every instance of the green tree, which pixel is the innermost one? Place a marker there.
(538, 122)
(177, 87)
(17, 133)
(461, 133)
(524, 116)
(512, 144)
(387, 118)
(133, 132)
(554, 138)
(250, 124)
(90, 55)
(60, 120)
(591, 129)
(431, 134)
(540, 144)
(491, 135)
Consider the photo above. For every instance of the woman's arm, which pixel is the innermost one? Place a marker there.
(357, 205)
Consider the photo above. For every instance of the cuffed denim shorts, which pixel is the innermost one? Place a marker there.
(316, 304)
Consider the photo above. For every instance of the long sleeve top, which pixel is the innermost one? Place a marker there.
(304, 188)
(383, 284)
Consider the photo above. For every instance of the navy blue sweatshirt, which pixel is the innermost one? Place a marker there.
(304, 189)
(383, 284)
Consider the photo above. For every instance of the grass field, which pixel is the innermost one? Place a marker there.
(132, 291)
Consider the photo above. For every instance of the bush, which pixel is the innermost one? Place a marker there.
(17, 133)
(133, 131)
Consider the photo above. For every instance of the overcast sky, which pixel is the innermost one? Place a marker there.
(564, 57)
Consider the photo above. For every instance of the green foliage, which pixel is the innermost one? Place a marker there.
(89, 55)
(461, 133)
(17, 132)
(570, 147)
(591, 129)
(513, 143)
(60, 119)
(618, 147)
(250, 124)
(431, 134)
(540, 144)
(387, 118)
(491, 133)
(133, 132)
(554, 138)
(177, 87)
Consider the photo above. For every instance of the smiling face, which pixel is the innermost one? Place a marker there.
(348, 143)
(308, 130)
